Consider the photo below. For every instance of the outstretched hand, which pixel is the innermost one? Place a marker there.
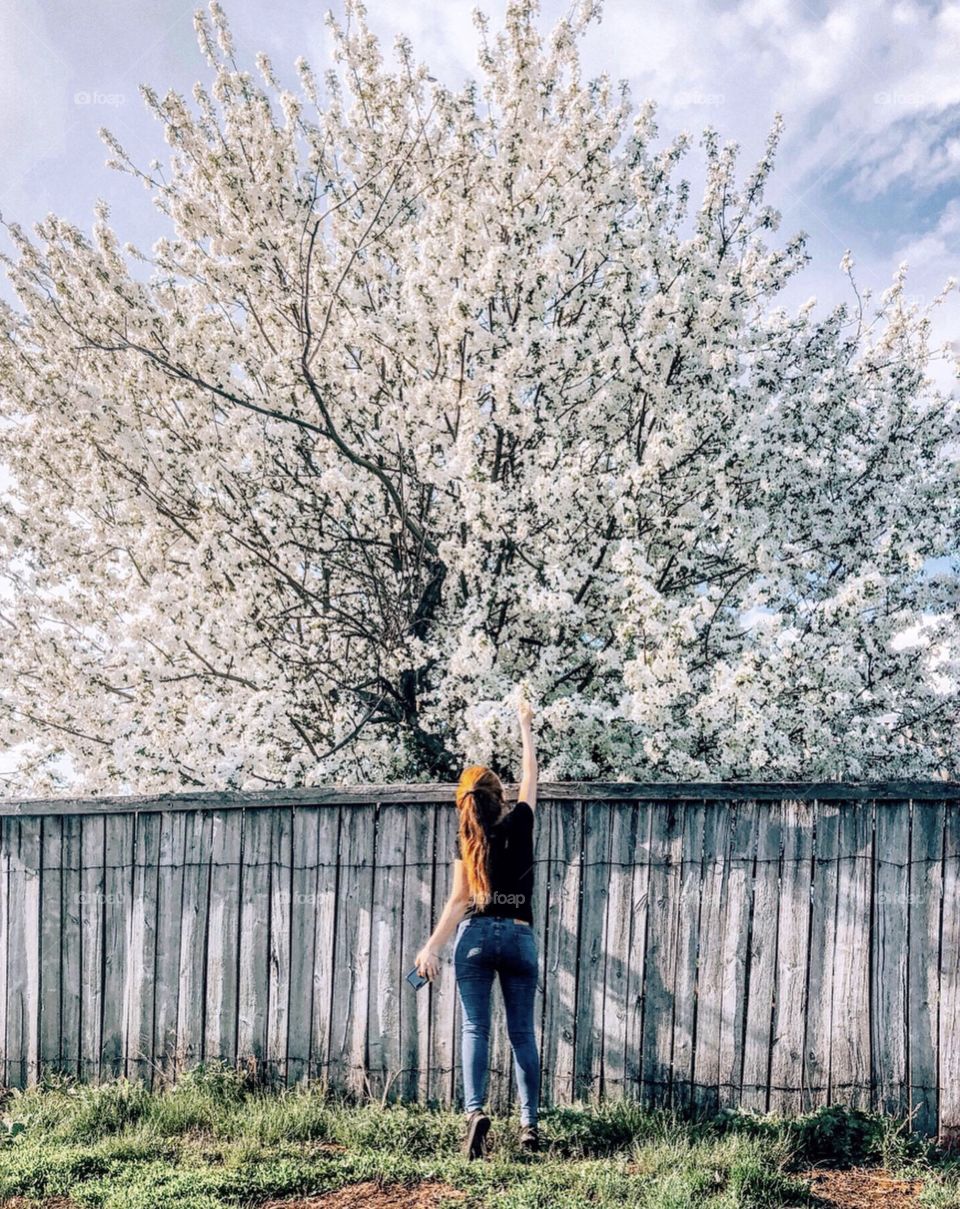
(525, 712)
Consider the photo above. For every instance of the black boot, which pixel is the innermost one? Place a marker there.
(474, 1143)
(529, 1138)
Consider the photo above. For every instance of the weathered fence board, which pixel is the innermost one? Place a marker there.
(444, 1085)
(949, 1021)
(890, 1036)
(417, 871)
(279, 953)
(223, 932)
(51, 929)
(138, 998)
(541, 915)
(763, 928)
(660, 971)
(303, 909)
(6, 826)
(324, 980)
(92, 955)
(615, 948)
(351, 965)
(118, 861)
(253, 989)
(386, 977)
(684, 988)
(167, 929)
(565, 872)
(706, 1042)
(778, 946)
(71, 945)
(850, 1049)
(23, 934)
(732, 1006)
(637, 952)
(194, 936)
(925, 888)
(590, 959)
(793, 951)
(816, 1057)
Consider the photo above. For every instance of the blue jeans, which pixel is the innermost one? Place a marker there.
(485, 944)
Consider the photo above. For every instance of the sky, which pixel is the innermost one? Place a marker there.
(869, 92)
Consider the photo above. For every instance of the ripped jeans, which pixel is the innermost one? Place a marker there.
(486, 944)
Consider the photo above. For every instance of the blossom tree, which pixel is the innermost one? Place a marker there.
(424, 395)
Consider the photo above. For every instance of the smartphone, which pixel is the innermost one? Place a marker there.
(416, 979)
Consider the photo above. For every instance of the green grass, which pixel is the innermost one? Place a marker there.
(214, 1139)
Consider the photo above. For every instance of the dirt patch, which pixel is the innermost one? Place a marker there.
(863, 1188)
(371, 1195)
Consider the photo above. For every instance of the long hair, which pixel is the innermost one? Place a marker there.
(480, 803)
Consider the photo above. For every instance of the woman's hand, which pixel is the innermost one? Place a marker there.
(427, 963)
(525, 712)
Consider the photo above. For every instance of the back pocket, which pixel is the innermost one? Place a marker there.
(469, 945)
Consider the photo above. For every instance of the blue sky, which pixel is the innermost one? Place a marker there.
(870, 94)
(869, 91)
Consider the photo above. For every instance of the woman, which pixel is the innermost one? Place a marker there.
(490, 906)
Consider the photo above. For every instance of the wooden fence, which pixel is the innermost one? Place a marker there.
(777, 946)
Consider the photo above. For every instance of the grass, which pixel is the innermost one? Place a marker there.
(213, 1139)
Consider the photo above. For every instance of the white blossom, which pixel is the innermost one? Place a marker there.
(426, 395)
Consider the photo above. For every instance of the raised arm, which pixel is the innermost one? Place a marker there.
(528, 780)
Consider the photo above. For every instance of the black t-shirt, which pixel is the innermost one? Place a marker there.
(511, 866)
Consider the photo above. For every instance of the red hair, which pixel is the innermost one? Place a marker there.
(480, 804)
